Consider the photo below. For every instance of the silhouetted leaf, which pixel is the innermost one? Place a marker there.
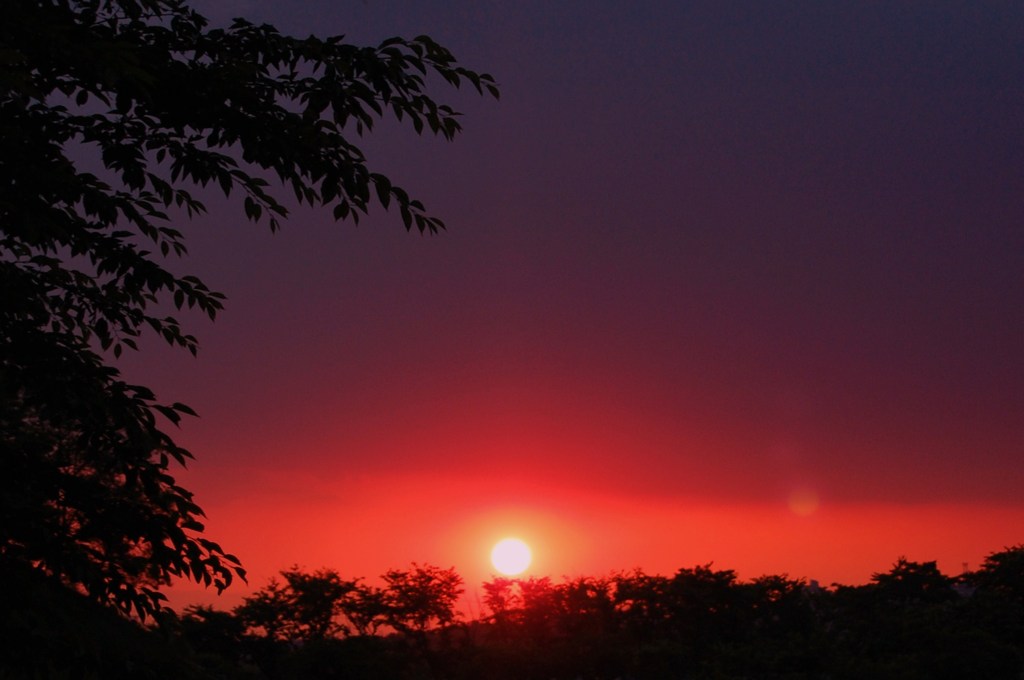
(165, 101)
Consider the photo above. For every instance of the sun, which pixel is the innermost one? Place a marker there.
(511, 556)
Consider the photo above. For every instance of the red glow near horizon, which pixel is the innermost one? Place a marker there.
(451, 522)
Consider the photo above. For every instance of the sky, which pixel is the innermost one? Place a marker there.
(735, 283)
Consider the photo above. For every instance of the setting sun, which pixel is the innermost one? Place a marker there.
(511, 556)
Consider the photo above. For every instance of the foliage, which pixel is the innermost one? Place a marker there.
(112, 113)
(910, 581)
(1003, 572)
(305, 607)
(421, 597)
(50, 631)
(366, 609)
(320, 605)
(86, 493)
(627, 625)
(214, 637)
(1000, 594)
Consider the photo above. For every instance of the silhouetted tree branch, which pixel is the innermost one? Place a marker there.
(112, 113)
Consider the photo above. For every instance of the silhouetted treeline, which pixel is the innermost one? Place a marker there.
(909, 622)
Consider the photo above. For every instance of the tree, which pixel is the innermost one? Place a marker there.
(111, 113)
(909, 581)
(501, 597)
(320, 605)
(366, 609)
(1003, 572)
(307, 606)
(215, 636)
(421, 598)
(999, 598)
(642, 602)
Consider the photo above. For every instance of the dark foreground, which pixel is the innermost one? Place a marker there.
(909, 622)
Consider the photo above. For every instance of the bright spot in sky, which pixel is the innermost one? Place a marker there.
(803, 502)
(511, 556)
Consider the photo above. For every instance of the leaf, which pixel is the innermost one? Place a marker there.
(182, 408)
(383, 186)
(166, 102)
